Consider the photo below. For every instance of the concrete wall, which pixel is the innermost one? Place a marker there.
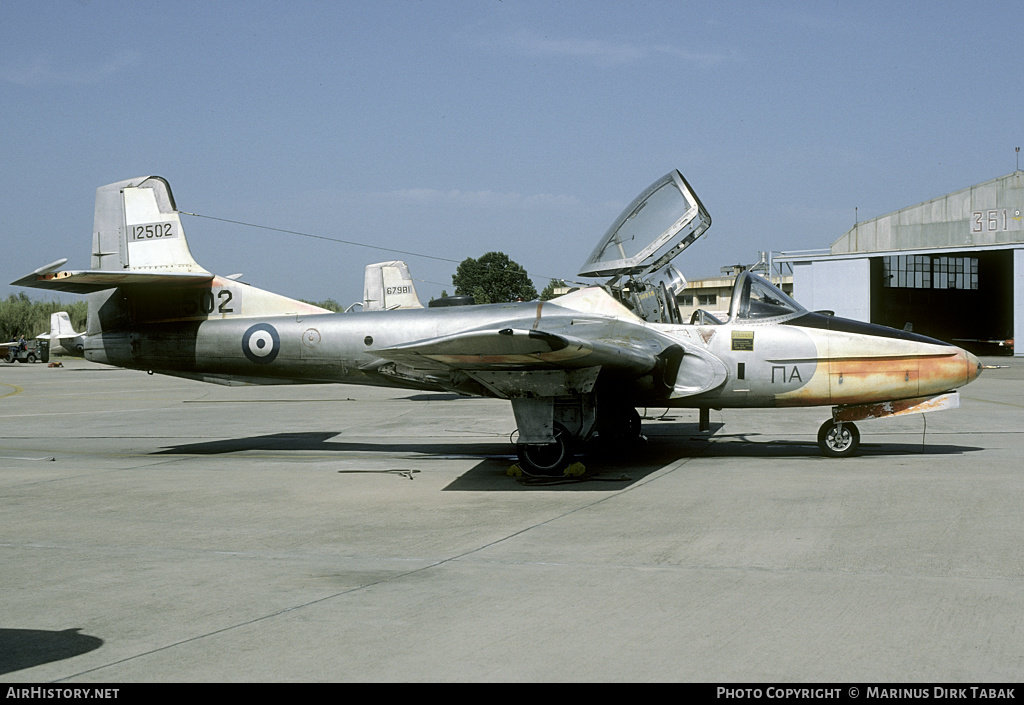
(843, 286)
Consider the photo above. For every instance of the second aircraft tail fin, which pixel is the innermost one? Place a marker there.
(387, 286)
(63, 337)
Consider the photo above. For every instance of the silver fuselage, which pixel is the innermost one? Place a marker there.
(808, 360)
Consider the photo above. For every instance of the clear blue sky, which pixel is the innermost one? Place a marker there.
(457, 128)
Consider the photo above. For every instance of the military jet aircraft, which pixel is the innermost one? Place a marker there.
(574, 368)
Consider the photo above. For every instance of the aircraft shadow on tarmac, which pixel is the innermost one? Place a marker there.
(491, 473)
(329, 442)
(26, 648)
(669, 444)
(666, 443)
(744, 445)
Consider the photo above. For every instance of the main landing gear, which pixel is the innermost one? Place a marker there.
(838, 439)
(547, 459)
(613, 429)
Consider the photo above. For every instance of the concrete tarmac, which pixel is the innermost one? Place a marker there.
(162, 530)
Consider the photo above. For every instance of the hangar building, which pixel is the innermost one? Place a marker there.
(950, 268)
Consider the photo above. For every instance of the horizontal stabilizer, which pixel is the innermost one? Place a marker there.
(138, 239)
(86, 281)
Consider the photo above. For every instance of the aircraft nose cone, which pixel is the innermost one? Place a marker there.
(974, 366)
(950, 371)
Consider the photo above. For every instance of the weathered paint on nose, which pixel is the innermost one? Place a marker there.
(974, 367)
(897, 369)
(862, 363)
(944, 373)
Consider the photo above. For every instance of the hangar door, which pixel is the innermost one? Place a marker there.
(960, 297)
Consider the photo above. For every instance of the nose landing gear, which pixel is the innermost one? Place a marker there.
(838, 439)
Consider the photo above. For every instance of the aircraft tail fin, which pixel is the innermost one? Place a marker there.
(137, 228)
(137, 240)
(60, 326)
(63, 337)
(388, 286)
(139, 249)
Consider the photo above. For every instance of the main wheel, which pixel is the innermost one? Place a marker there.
(547, 459)
(838, 440)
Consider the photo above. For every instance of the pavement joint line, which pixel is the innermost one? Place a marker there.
(451, 559)
(91, 412)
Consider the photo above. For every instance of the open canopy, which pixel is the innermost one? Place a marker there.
(659, 224)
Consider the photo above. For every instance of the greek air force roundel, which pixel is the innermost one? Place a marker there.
(261, 343)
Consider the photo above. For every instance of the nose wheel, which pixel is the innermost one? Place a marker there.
(838, 439)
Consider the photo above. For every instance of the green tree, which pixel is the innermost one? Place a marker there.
(549, 290)
(493, 279)
(20, 315)
(329, 304)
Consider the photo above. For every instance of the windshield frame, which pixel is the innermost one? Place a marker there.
(741, 304)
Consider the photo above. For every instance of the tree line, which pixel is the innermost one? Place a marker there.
(21, 316)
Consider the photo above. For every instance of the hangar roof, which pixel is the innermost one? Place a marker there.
(983, 215)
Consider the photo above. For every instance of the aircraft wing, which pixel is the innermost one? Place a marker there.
(511, 349)
(86, 281)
